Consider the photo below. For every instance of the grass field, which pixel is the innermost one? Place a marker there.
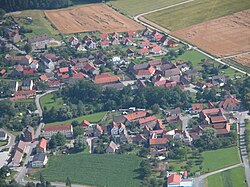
(40, 24)
(231, 178)
(213, 160)
(196, 12)
(97, 170)
(49, 102)
(134, 7)
(92, 118)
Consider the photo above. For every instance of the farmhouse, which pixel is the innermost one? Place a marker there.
(39, 42)
(66, 130)
(39, 160)
(230, 104)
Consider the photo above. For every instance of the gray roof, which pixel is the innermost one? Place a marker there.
(39, 157)
(38, 38)
(2, 134)
(140, 66)
(26, 83)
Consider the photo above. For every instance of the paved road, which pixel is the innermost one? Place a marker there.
(185, 120)
(200, 181)
(23, 170)
(11, 140)
(149, 24)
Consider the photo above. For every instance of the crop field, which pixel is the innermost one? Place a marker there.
(223, 36)
(196, 12)
(135, 7)
(93, 17)
(231, 178)
(94, 170)
(243, 59)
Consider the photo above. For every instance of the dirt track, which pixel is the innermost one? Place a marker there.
(95, 17)
(222, 37)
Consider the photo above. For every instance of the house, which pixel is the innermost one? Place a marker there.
(158, 143)
(106, 78)
(135, 116)
(98, 130)
(104, 36)
(2, 72)
(27, 85)
(41, 146)
(145, 73)
(104, 44)
(174, 119)
(14, 36)
(145, 44)
(230, 104)
(87, 39)
(90, 68)
(128, 41)
(147, 32)
(26, 60)
(112, 148)
(80, 47)
(130, 52)
(119, 132)
(39, 42)
(214, 115)
(174, 180)
(16, 159)
(219, 80)
(115, 41)
(66, 130)
(164, 40)
(34, 65)
(144, 51)
(23, 94)
(29, 134)
(174, 112)
(221, 128)
(172, 43)
(77, 77)
(3, 136)
(39, 160)
(197, 107)
(149, 121)
(155, 36)
(156, 50)
(73, 41)
(85, 124)
(115, 35)
(132, 34)
(53, 84)
(91, 45)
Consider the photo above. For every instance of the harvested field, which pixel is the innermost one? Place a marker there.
(224, 36)
(94, 17)
(243, 59)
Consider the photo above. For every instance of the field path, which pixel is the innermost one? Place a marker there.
(138, 18)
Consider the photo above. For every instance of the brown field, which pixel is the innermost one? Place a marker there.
(243, 59)
(224, 36)
(95, 17)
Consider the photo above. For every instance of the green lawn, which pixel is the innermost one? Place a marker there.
(134, 7)
(49, 102)
(213, 160)
(40, 24)
(2, 143)
(91, 169)
(194, 57)
(231, 178)
(196, 12)
(92, 118)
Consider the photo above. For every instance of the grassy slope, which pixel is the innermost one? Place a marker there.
(134, 7)
(48, 101)
(99, 170)
(92, 118)
(230, 178)
(197, 12)
(40, 24)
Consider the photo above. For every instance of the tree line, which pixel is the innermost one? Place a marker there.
(85, 98)
(15, 5)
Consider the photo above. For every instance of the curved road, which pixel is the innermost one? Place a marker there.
(165, 31)
(11, 140)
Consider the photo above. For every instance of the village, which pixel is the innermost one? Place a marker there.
(136, 60)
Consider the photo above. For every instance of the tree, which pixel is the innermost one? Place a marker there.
(78, 131)
(28, 48)
(57, 140)
(42, 180)
(155, 108)
(68, 182)
(75, 123)
(2, 13)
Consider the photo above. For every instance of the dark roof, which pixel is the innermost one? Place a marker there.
(2, 134)
(39, 157)
(38, 38)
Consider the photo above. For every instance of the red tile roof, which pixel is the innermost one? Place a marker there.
(64, 70)
(144, 50)
(58, 127)
(104, 35)
(197, 106)
(104, 79)
(229, 102)
(218, 119)
(3, 71)
(85, 123)
(42, 144)
(156, 48)
(135, 115)
(158, 141)
(29, 71)
(148, 71)
(147, 119)
(104, 43)
(79, 76)
(174, 179)
(25, 92)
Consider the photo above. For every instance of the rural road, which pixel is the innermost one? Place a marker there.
(138, 18)
(199, 181)
(11, 140)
